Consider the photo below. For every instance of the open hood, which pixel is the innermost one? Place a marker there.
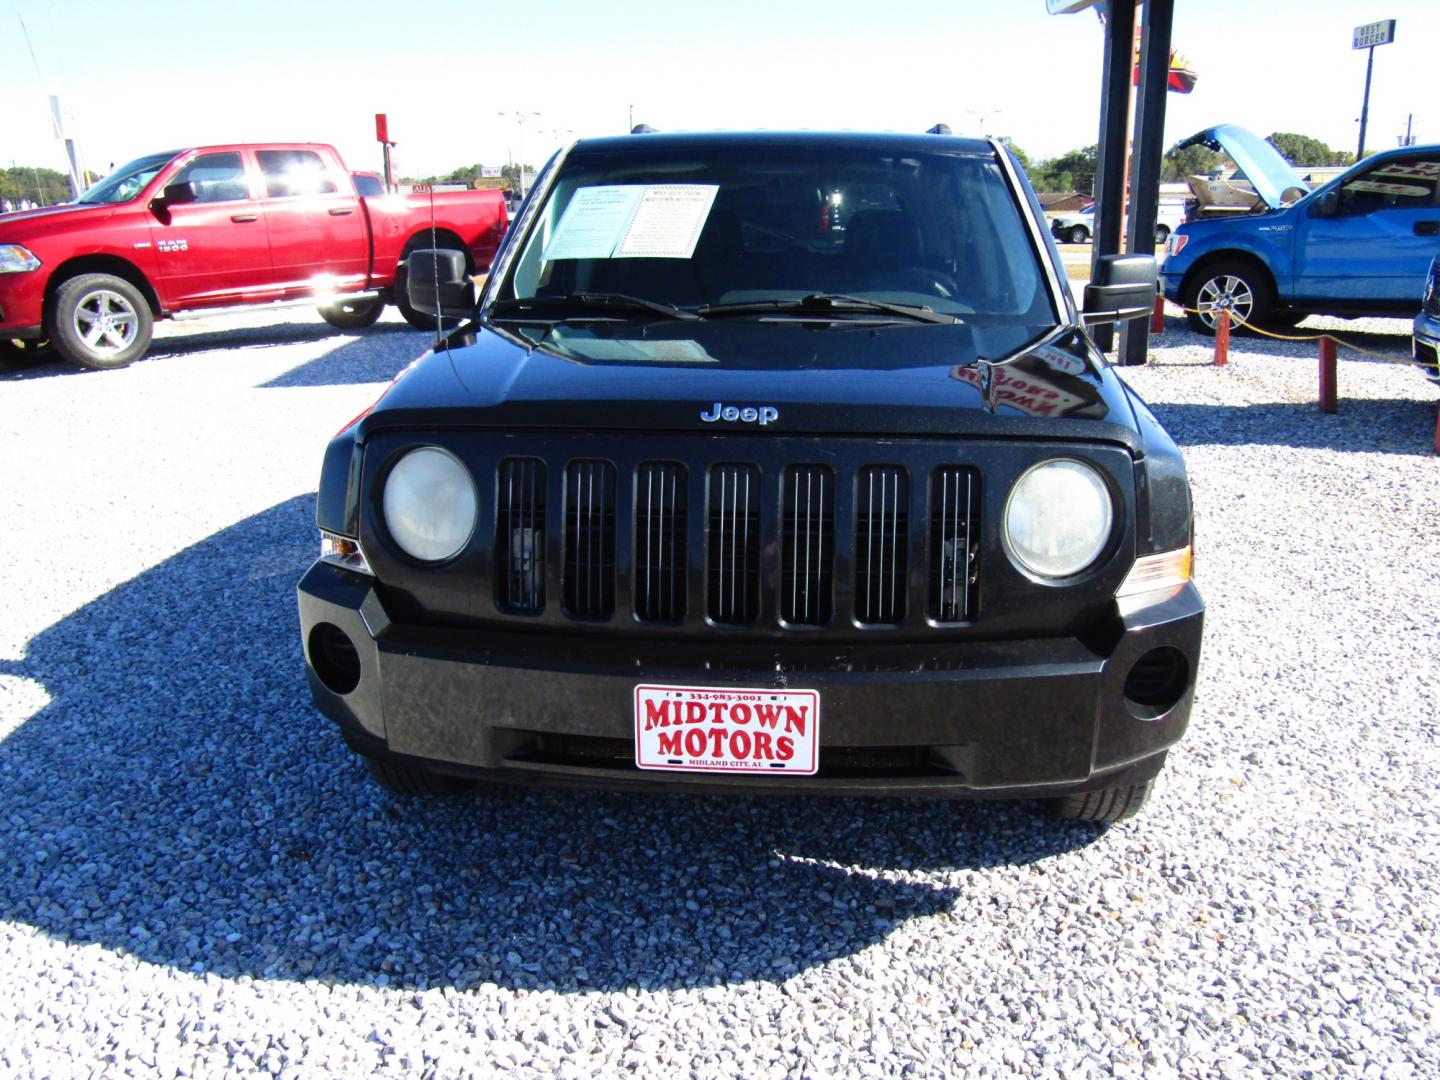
(1275, 181)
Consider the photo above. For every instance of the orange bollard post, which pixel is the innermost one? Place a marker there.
(1157, 317)
(1222, 338)
(1328, 404)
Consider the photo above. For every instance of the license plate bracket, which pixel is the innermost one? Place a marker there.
(738, 730)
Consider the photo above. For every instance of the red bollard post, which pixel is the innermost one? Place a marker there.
(1222, 338)
(1328, 404)
(1157, 317)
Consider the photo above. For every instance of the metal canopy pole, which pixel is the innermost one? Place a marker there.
(1110, 153)
(1146, 156)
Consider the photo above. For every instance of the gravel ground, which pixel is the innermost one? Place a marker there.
(199, 879)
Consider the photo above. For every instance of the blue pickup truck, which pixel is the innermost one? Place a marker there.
(1357, 245)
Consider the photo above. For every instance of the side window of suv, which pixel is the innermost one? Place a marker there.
(294, 172)
(217, 178)
(1396, 185)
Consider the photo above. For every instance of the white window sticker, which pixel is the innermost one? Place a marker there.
(594, 222)
(668, 221)
(632, 221)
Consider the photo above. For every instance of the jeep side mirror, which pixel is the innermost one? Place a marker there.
(1326, 205)
(179, 194)
(1123, 287)
(436, 280)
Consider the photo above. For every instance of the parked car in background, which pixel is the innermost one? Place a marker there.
(1074, 227)
(710, 497)
(217, 227)
(1426, 338)
(1079, 226)
(1357, 245)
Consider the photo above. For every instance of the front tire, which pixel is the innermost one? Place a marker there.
(100, 321)
(1079, 234)
(404, 778)
(1234, 286)
(1106, 805)
(1162, 233)
(352, 314)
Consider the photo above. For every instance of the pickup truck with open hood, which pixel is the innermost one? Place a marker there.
(1359, 244)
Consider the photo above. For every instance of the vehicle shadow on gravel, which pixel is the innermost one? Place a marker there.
(177, 799)
(375, 354)
(1371, 425)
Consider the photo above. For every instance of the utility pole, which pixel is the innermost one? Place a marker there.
(1367, 37)
(520, 118)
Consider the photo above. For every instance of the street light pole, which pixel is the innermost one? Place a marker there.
(520, 118)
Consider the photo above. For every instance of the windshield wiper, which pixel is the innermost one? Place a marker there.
(580, 303)
(821, 303)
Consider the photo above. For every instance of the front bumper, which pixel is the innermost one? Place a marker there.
(1170, 282)
(22, 304)
(971, 719)
(1425, 345)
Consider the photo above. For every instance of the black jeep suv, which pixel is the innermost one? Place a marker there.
(764, 461)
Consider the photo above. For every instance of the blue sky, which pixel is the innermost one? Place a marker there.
(140, 76)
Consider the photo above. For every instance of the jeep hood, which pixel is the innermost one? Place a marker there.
(850, 380)
(1261, 163)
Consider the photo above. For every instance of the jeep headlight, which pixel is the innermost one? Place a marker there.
(430, 504)
(1058, 518)
(14, 258)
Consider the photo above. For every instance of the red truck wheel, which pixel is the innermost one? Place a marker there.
(352, 314)
(100, 321)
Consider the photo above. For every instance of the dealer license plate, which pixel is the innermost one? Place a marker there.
(713, 729)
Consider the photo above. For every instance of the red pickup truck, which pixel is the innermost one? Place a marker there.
(218, 227)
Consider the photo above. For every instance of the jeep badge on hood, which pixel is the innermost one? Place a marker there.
(749, 414)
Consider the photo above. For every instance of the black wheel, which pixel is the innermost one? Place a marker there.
(1079, 234)
(352, 314)
(1234, 286)
(18, 353)
(100, 321)
(404, 778)
(1107, 804)
(420, 320)
(1162, 233)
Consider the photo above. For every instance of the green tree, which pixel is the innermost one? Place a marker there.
(1177, 164)
(1071, 171)
(44, 187)
(466, 174)
(1304, 150)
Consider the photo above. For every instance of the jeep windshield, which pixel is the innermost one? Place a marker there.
(829, 229)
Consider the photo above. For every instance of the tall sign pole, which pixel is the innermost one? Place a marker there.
(382, 136)
(1367, 37)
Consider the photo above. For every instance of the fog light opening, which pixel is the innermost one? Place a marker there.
(1157, 682)
(333, 656)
